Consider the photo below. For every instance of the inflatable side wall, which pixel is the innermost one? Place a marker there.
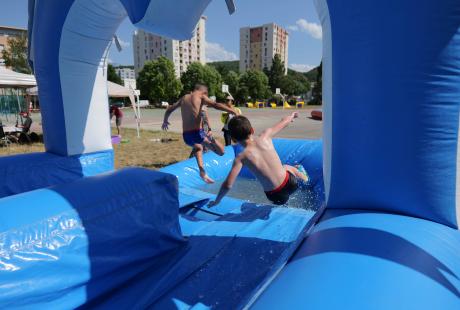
(69, 40)
(391, 93)
(68, 43)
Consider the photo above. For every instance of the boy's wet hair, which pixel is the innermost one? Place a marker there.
(240, 128)
(200, 87)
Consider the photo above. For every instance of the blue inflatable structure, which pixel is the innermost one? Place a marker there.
(380, 233)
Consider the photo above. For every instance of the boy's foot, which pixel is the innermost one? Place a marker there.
(304, 175)
(205, 177)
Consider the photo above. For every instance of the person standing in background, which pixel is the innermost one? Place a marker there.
(115, 111)
(226, 117)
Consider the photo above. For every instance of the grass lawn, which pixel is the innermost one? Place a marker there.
(140, 152)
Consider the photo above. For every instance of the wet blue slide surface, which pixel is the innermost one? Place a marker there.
(139, 238)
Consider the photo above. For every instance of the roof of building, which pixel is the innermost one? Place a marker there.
(13, 28)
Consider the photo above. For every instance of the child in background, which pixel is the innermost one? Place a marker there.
(115, 111)
(193, 133)
(226, 117)
(278, 181)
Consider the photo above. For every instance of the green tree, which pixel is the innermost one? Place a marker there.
(112, 75)
(253, 84)
(226, 66)
(232, 79)
(202, 74)
(317, 90)
(15, 55)
(157, 81)
(276, 73)
(294, 84)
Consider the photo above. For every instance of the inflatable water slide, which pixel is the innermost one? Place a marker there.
(379, 229)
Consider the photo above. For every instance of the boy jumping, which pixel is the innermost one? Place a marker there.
(278, 181)
(192, 124)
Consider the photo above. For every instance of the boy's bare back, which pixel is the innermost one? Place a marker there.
(261, 158)
(259, 155)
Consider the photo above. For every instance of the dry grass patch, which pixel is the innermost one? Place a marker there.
(143, 152)
(140, 152)
(14, 149)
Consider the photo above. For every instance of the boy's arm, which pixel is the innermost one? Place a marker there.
(218, 106)
(272, 131)
(168, 112)
(228, 183)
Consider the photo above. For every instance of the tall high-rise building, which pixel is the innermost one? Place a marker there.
(258, 46)
(148, 46)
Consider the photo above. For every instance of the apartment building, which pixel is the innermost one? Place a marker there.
(148, 46)
(258, 46)
(125, 72)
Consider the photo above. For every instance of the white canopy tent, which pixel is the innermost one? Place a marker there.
(118, 91)
(11, 79)
(114, 91)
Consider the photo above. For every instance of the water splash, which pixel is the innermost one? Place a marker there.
(250, 190)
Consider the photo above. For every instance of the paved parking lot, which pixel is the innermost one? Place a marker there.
(303, 128)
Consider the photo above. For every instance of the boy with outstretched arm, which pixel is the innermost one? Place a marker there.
(278, 181)
(194, 134)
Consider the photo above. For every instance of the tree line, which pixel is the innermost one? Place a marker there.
(157, 81)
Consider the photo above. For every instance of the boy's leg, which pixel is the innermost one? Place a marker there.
(118, 123)
(214, 145)
(198, 150)
(296, 173)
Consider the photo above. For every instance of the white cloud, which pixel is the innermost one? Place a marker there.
(312, 29)
(216, 52)
(301, 67)
(124, 44)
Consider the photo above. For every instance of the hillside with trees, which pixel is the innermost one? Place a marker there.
(226, 66)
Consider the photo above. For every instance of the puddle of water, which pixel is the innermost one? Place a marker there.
(250, 190)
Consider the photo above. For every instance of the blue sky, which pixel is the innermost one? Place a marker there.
(222, 30)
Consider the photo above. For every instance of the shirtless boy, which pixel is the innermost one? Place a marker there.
(192, 124)
(278, 181)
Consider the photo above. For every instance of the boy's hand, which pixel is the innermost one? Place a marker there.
(213, 203)
(165, 126)
(294, 115)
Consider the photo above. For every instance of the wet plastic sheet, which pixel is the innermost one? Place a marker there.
(223, 265)
(305, 152)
